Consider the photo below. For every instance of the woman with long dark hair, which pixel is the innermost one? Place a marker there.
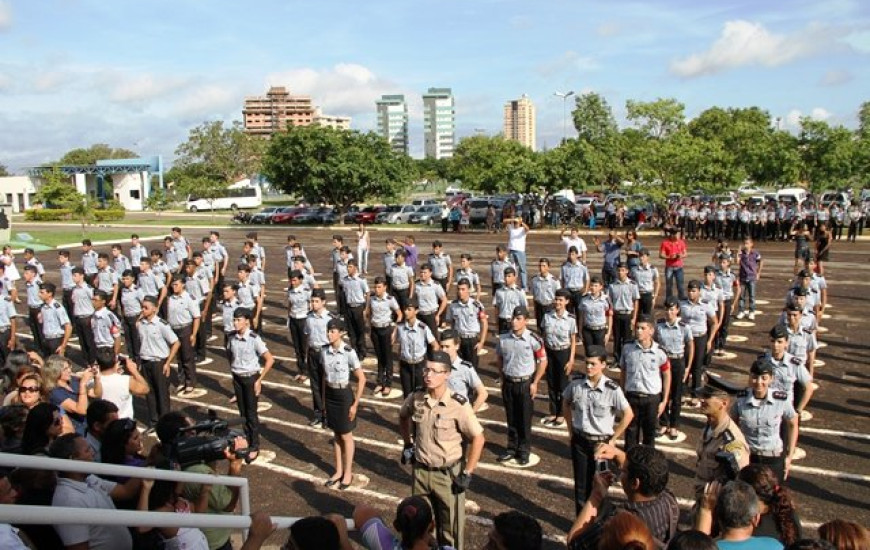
(779, 518)
(44, 423)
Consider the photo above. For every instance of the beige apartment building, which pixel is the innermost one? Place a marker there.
(265, 115)
(519, 121)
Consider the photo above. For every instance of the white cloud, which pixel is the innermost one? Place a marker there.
(346, 89)
(5, 15)
(744, 43)
(609, 29)
(570, 61)
(49, 81)
(836, 77)
(793, 118)
(209, 101)
(142, 87)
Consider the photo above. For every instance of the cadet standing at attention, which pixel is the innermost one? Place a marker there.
(339, 362)
(625, 295)
(468, 318)
(543, 287)
(355, 290)
(246, 349)
(464, 379)
(183, 315)
(158, 345)
(761, 412)
(440, 420)
(521, 361)
(56, 326)
(298, 306)
(415, 338)
(431, 298)
(379, 311)
(315, 330)
(675, 339)
(559, 331)
(646, 381)
(508, 298)
(590, 404)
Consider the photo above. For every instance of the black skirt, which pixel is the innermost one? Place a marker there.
(338, 402)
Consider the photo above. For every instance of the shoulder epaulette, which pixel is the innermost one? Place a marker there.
(612, 385)
(164, 321)
(780, 395)
(57, 305)
(727, 436)
(578, 376)
(743, 393)
(347, 347)
(796, 361)
(461, 399)
(253, 334)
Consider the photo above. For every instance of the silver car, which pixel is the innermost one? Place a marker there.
(403, 215)
(428, 215)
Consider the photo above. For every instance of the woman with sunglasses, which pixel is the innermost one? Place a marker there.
(44, 424)
(30, 396)
(70, 392)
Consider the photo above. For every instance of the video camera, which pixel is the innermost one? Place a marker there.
(209, 442)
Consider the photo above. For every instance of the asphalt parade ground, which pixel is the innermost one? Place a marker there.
(831, 481)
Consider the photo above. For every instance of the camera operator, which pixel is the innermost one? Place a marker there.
(222, 499)
(723, 450)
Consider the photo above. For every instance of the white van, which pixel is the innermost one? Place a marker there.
(796, 195)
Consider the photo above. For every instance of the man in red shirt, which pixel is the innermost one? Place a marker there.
(672, 251)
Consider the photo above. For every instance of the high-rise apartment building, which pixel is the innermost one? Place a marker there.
(265, 115)
(439, 123)
(519, 121)
(393, 121)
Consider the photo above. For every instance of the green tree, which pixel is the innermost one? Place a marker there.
(593, 118)
(338, 167)
(434, 169)
(158, 201)
(864, 120)
(827, 154)
(90, 155)
(82, 207)
(494, 164)
(221, 153)
(657, 119)
(56, 189)
(4, 171)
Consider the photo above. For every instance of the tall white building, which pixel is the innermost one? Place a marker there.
(393, 121)
(439, 123)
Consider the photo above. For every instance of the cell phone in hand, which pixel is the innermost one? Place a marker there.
(602, 466)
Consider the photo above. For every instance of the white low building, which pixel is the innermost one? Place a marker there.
(18, 191)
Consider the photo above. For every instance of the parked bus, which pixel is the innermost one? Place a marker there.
(232, 198)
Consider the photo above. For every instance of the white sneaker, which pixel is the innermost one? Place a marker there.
(752, 316)
(741, 315)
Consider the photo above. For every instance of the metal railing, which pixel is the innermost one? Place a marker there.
(56, 515)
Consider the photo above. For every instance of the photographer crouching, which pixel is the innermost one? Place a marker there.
(196, 448)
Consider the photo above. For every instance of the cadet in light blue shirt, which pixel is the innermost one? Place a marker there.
(508, 298)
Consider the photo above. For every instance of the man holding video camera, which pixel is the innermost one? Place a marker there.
(172, 429)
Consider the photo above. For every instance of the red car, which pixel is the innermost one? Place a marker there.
(285, 214)
(368, 214)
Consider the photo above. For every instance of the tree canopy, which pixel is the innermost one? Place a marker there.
(338, 167)
(90, 155)
(3, 171)
(222, 153)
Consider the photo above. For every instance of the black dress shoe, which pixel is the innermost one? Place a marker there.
(315, 421)
(524, 461)
(504, 457)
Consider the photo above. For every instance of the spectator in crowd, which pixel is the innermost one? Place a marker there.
(30, 390)
(673, 251)
(736, 510)
(692, 540)
(644, 478)
(845, 535)
(78, 490)
(317, 533)
(163, 496)
(70, 392)
(16, 376)
(779, 518)
(12, 421)
(222, 499)
(626, 531)
(44, 424)
(414, 523)
(100, 414)
(122, 444)
(119, 386)
(36, 488)
(10, 539)
(812, 544)
(514, 531)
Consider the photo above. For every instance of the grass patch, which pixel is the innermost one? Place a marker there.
(55, 237)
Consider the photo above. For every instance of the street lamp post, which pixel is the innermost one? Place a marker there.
(564, 96)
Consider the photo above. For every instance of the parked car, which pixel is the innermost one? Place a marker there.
(264, 215)
(368, 214)
(830, 197)
(350, 214)
(428, 215)
(285, 214)
(305, 215)
(325, 215)
(424, 202)
(390, 209)
(402, 215)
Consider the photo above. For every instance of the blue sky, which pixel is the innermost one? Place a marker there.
(141, 74)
